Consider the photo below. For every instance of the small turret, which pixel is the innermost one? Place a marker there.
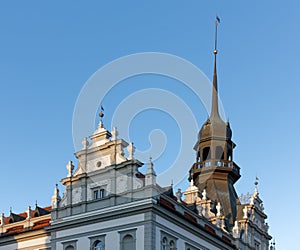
(56, 197)
(150, 175)
(70, 168)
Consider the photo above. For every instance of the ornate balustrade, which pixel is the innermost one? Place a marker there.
(216, 163)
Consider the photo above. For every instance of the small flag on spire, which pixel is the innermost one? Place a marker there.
(101, 114)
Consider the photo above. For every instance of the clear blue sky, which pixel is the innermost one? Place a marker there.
(48, 50)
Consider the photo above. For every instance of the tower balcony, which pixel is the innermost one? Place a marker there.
(216, 165)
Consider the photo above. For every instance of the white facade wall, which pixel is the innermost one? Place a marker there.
(12, 246)
(112, 240)
(32, 244)
(183, 236)
(111, 229)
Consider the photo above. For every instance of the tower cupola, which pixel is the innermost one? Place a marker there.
(214, 169)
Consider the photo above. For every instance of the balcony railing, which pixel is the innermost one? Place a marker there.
(217, 163)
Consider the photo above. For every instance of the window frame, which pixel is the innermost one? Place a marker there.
(164, 243)
(96, 247)
(102, 193)
(194, 246)
(257, 244)
(169, 238)
(72, 243)
(99, 193)
(95, 194)
(174, 245)
(131, 232)
(95, 239)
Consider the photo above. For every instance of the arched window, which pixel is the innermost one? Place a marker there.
(97, 242)
(128, 242)
(98, 245)
(206, 154)
(198, 156)
(172, 245)
(69, 247)
(164, 243)
(229, 155)
(219, 153)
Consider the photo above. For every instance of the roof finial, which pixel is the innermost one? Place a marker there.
(55, 197)
(101, 114)
(131, 150)
(192, 178)
(256, 181)
(214, 108)
(255, 189)
(150, 169)
(70, 168)
(150, 174)
(150, 164)
(272, 247)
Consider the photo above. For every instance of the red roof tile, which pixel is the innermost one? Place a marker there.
(209, 229)
(166, 203)
(190, 217)
(41, 224)
(14, 230)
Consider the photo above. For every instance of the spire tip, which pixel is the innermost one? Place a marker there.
(101, 114)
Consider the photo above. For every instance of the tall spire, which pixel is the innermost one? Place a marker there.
(214, 107)
(214, 170)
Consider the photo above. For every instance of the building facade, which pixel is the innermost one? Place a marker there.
(108, 203)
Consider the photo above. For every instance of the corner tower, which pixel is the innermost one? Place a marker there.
(214, 170)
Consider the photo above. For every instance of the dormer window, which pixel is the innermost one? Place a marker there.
(102, 193)
(96, 194)
(99, 193)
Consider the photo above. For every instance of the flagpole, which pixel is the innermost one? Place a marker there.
(216, 36)
(216, 31)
